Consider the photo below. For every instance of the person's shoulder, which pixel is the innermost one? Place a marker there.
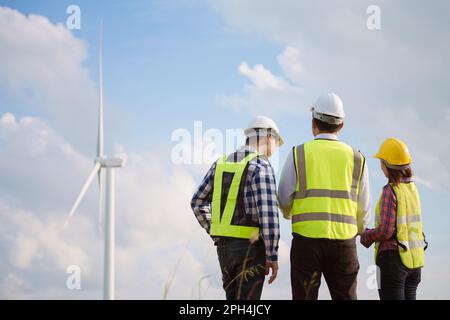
(213, 166)
(260, 164)
(262, 160)
(302, 145)
(355, 150)
(388, 189)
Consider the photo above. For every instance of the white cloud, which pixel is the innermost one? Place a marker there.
(155, 225)
(42, 69)
(390, 80)
(156, 229)
(37, 239)
(268, 93)
(42, 168)
(261, 77)
(290, 62)
(30, 145)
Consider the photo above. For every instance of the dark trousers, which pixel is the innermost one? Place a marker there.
(243, 268)
(337, 260)
(397, 282)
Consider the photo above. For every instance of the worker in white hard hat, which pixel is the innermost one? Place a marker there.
(236, 204)
(324, 190)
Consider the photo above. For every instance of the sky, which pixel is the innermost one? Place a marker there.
(190, 74)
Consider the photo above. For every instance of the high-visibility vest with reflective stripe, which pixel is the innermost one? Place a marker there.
(328, 178)
(409, 225)
(221, 223)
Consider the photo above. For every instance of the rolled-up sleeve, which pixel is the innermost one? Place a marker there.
(364, 201)
(201, 200)
(388, 218)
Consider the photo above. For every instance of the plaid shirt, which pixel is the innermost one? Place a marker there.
(260, 201)
(386, 227)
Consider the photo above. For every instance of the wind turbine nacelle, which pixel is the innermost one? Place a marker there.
(111, 162)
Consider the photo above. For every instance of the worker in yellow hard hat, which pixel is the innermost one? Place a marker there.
(398, 236)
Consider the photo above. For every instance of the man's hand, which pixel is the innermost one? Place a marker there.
(274, 267)
(364, 240)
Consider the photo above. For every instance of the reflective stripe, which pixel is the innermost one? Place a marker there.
(357, 163)
(239, 156)
(221, 219)
(408, 219)
(410, 238)
(303, 193)
(234, 231)
(413, 244)
(323, 216)
(339, 194)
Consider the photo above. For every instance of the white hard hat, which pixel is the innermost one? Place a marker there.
(329, 108)
(262, 122)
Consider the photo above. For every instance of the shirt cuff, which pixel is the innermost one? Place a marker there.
(270, 257)
(365, 239)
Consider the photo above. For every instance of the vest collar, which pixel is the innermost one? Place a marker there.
(249, 149)
(327, 136)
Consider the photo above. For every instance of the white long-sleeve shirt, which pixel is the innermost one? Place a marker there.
(288, 183)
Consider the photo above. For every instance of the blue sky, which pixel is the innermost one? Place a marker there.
(162, 59)
(168, 64)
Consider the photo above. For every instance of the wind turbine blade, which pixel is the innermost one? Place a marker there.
(100, 202)
(100, 102)
(83, 191)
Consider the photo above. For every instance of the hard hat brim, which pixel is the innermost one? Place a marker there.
(249, 133)
(392, 166)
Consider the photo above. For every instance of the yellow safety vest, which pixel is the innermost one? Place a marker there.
(328, 178)
(409, 225)
(221, 222)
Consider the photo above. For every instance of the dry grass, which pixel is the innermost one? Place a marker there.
(247, 273)
(169, 282)
(310, 285)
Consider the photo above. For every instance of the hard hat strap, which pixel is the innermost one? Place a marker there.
(260, 132)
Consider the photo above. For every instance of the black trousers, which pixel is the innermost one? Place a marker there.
(337, 260)
(243, 268)
(397, 282)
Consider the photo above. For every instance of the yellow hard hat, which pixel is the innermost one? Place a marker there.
(395, 153)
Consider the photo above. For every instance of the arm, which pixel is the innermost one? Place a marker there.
(364, 201)
(202, 198)
(264, 194)
(287, 186)
(388, 216)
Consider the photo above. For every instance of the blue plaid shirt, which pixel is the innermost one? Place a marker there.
(260, 201)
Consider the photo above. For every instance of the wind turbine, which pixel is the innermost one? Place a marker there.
(102, 162)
